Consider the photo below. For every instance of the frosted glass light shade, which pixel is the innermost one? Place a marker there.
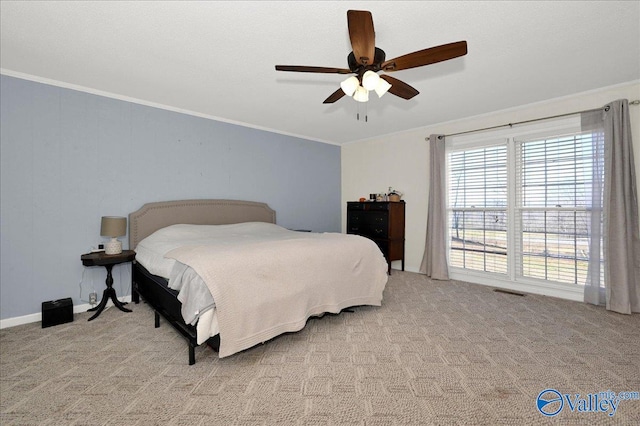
(382, 87)
(370, 80)
(361, 95)
(350, 85)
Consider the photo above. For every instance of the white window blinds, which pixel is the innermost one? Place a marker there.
(553, 196)
(478, 209)
(520, 210)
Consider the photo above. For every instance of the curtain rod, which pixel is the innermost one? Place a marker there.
(636, 102)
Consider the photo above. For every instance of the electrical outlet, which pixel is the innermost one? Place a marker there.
(99, 249)
(93, 298)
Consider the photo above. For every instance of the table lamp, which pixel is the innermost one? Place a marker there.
(114, 227)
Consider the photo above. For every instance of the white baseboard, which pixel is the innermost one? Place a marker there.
(560, 291)
(37, 317)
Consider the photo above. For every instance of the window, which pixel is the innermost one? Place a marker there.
(553, 199)
(520, 207)
(478, 213)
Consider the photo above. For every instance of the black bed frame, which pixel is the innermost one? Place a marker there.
(164, 301)
(157, 215)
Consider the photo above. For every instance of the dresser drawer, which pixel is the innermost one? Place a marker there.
(367, 230)
(377, 218)
(367, 206)
(373, 224)
(372, 218)
(376, 232)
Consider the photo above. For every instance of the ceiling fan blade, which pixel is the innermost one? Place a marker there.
(334, 97)
(426, 56)
(362, 36)
(399, 88)
(298, 68)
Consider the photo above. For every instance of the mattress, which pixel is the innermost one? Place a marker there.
(261, 259)
(193, 294)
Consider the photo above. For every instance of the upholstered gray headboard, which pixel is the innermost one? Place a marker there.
(153, 216)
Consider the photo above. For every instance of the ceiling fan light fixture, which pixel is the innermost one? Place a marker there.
(350, 85)
(382, 87)
(370, 80)
(366, 61)
(361, 95)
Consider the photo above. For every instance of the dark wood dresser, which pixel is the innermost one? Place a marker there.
(381, 221)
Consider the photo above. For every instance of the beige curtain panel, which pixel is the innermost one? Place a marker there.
(614, 212)
(434, 261)
(621, 234)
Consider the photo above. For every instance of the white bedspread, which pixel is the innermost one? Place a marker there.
(267, 280)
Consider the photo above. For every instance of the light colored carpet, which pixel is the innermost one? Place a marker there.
(435, 353)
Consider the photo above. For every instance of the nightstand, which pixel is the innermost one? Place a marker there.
(108, 260)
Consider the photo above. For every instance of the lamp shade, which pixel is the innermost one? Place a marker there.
(350, 85)
(113, 226)
(361, 95)
(382, 87)
(370, 80)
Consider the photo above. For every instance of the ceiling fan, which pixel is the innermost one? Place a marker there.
(366, 60)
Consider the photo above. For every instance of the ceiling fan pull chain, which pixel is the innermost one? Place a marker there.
(366, 114)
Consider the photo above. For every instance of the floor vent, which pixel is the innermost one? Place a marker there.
(515, 293)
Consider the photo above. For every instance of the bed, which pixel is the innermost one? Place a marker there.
(223, 273)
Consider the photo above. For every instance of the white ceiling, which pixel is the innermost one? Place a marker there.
(217, 59)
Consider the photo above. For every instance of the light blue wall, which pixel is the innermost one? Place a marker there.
(69, 157)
